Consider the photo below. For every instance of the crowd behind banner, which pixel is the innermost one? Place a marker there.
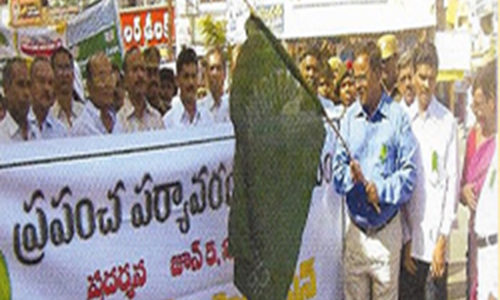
(409, 191)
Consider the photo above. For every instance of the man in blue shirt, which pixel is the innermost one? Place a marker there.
(376, 175)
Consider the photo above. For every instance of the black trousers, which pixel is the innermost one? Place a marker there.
(422, 286)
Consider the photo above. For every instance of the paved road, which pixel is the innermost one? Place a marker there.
(458, 245)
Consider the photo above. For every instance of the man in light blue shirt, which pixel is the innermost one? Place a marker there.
(377, 177)
(42, 96)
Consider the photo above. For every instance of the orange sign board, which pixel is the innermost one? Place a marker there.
(26, 12)
(147, 27)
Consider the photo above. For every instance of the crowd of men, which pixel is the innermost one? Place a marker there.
(401, 174)
(40, 101)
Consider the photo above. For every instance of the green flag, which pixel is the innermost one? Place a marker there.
(279, 136)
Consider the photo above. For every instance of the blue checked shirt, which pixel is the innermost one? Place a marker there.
(385, 148)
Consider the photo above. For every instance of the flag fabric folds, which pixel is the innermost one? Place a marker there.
(279, 136)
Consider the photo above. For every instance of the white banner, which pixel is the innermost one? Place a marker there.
(131, 216)
(318, 274)
(144, 223)
(315, 18)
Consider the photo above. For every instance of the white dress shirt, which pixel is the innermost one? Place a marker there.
(10, 132)
(57, 112)
(405, 106)
(51, 128)
(431, 211)
(178, 117)
(220, 113)
(90, 123)
(151, 118)
(332, 110)
(486, 222)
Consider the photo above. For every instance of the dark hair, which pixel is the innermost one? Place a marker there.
(371, 50)
(216, 50)
(167, 74)
(7, 70)
(486, 80)
(88, 67)
(61, 50)
(426, 54)
(186, 57)
(129, 52)
(37, 60)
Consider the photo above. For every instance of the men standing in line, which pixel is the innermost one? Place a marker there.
(185, 112)
(216, 101)
(136, 113)
(388, 45)
(405, 80)
(377, 176)
(432, 210)
(16, 85)
(99, 116)
(66, 109)
(42, 96)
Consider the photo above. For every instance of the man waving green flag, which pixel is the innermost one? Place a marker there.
(279, 136)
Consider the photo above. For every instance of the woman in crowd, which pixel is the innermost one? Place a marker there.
(479, 152)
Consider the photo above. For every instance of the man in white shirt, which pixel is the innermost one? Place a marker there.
(405, 80)
(66, 109)
(136, 113)
(98, 116)
(16, 85)
(216, 101)
(42, 96)
(185, 112)
(431, 212)
(486, 228)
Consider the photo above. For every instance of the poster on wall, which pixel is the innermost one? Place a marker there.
(105, 41)
(26, 12)
(94, 30)
(39, 41)
(146, 27)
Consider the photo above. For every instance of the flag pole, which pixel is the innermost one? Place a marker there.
(344, 144)
(328, 120)
(250, 7)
